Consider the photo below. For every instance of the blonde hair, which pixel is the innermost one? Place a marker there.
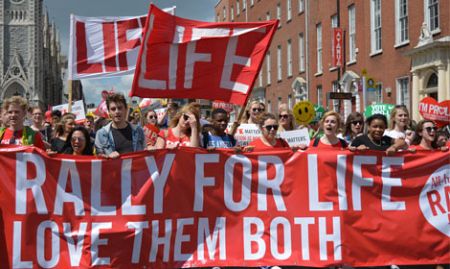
(394, 113)
(59, 130)
(193, 108)
(291, 116)
(16, 100)
(247, 110)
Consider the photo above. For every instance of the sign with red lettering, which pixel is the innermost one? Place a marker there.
(193, 208)
(182, 58)
(430, 109)
(337, 47)
(104, 46)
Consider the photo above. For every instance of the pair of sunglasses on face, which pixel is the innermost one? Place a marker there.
(429, 129)
(357, 122)
(257, 110)
(284, 116)
(270, 127)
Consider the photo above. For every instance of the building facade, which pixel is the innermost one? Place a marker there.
(393, 51)
(30, 59)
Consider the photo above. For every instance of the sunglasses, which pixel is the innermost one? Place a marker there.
(270, 127)
(257, 110)
(185, 117)
(81, 139)
(357, 122)
(429, 129)
(152, 117)
(284, 116)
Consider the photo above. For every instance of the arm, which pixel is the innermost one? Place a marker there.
(398, 144)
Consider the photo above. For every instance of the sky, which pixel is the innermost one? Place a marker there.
(60, 10)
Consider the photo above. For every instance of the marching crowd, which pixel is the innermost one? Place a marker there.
(126, 132)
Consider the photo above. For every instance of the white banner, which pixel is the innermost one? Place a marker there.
(105, 46)
(77, 110)
(296, 137)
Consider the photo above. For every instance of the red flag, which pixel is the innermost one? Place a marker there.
(182, 58)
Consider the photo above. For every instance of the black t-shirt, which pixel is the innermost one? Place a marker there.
(382, 145)
(123, 139)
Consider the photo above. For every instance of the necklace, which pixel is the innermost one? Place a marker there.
(376, 144)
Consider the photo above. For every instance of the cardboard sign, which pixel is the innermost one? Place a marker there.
(296, 137)
(246, 133)
(77, 110)
(384, 109)
(430, 109)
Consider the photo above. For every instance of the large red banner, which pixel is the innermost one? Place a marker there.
(182, 58)
(191, 207)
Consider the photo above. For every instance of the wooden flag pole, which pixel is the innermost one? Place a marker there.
(239, 118)
(69, 95)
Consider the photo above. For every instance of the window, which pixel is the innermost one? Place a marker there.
(319, 48)
(268, 70)
(401, 22)
(279, 14)
(352, 33)
(252, 2)
(218, 17)
(334, 21)
(289, 10)
(244, 5)
(260, 79)
(268, 16)
(232, 13)
(432, 14)
(319, 95)
(224, 15)
(279, 70)
(289, 58)
(301, 53)
(403, 91)
(238, 8)
(301, 6)
(375, 26)
(379, 93)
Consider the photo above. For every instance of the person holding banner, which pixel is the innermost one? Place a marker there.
(375, 140)
(184, 128)
(16, 133)
(38, 125)
(398, 123)
(151, 131)
(79, 142)
(118, 136)
(425, 137)
(329, 123)
(216, 137)
(354, 126)
(268, 124)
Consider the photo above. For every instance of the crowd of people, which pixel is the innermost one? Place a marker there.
(126, 132)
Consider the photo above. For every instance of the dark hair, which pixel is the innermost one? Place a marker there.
(265, 116)
(87, 149)
(377, 117)
(354, 116)
(419, 128)
(218, 111)
(116, 98)
(56, 113)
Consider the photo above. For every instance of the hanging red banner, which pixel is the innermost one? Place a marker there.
(192, 207)
(337, 47)
(182, 58)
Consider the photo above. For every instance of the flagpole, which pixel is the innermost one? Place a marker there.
(236, 123)
(69, 95)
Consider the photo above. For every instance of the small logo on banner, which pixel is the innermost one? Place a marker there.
(435, 199)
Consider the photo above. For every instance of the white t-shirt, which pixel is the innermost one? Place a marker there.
(394, 134)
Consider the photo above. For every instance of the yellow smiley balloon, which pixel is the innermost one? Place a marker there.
(304, 112)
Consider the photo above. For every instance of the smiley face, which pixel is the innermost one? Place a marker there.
(304, 112)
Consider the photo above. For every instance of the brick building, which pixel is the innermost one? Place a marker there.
(394, 51)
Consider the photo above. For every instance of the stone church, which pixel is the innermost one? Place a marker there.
(30, 61)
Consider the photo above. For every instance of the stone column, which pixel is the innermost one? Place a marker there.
(415, 96)
(442, 83)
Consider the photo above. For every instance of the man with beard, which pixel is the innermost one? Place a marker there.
(118, 136)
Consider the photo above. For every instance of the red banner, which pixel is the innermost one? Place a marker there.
(337, 53)
(430, 109)
(192, 207)
(182, 58)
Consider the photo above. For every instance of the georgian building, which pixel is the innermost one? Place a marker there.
(30, 58)
(394, 51)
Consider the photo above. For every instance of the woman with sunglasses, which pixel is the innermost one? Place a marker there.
(78, 142)
(286, 119)
(254, 110)
(329, 123)
(375, 138)
(151, 131)
(184, 128)
(354, 126)
(268, 125)
(425, 138)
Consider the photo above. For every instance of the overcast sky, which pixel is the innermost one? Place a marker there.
(60, 10)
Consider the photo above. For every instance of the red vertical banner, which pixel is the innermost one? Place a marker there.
(337, 47)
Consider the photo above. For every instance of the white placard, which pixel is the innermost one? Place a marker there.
(77, 110)
(296, 137)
